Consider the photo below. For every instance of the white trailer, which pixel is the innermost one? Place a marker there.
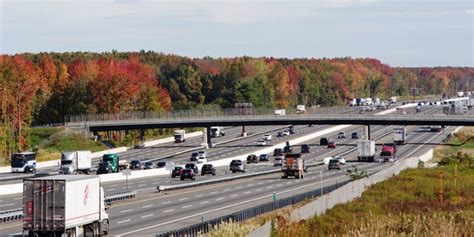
(76, 162)
(366, 150)
(179, 136)
(393, 100)
(399, 135)
(67, 205)
(217, 131)
(280, 112)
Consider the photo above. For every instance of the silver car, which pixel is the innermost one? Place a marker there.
(238, 166)
(278, 161)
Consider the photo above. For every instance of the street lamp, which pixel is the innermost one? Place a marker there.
(321, 181)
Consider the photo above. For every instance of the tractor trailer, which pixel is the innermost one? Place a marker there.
(293, 165)
(76, 162)
(400, 136)
(366, 150)
(64, 205)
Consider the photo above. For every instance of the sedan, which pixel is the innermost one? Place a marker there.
(340, 159)
(188, 174)
(286, 133)
(261, 143)
(331, 144)
(267, 137)
(263, 157)
(148, 165)
(161, 164)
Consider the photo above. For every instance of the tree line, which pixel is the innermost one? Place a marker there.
(42, 88)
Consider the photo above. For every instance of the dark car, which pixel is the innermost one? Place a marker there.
(148, 165)
(187, 174)
(176, 171)
(331, 144)
(263, 157)
(288, 149)
(323, 141)
(192, 166)
(252, 159)
(233, 162)
(355, 135)
(305, 148)
(194, 156)
(291, 129)
(277, 151)
(334, 164)
(104, 168)
(208, 169)
(280, 134)
(161, 164)
(136, 165)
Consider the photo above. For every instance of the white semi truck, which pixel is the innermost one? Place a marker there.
(280, 112)
(64, 205)
(300, 109)
(399, 136)
(366, 150)
(76, 162)
(179, 136)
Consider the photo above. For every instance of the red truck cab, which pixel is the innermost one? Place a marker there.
(388, 153)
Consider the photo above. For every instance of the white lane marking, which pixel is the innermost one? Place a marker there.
(112, 189)
(166, 202)
(204, 202)
(269, 187)
(199, 195)
(278, 185)
(127, 210)
(182, 199)
(155, 183)
(250, 185)
(147, 206)
(213, 192)
(114, 185)
(225, 190)
(20, 198)
(168, 210)
(143, 181)
(187, 206)
(260, 183)
(219, 199)
(238, 187)
(247, 192)
(120, 222)
(141, 185)
(234, 195)
(6, 205)
(258, 190)
(145, 216)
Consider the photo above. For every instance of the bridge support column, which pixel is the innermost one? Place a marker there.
(142, 136)
(207, 137)
(367, 131)
(244, 132)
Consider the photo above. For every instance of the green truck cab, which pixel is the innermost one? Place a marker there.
(113, 160)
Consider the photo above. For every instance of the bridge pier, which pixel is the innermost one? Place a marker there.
(244, 132)
(367, 131)
(207, 137)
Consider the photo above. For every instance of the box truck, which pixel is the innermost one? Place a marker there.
(76, 162)
(400, 136)
(300, 109)
(64, 205)
(280, 112)
(179, 136)
(366, 150)
(293, 165)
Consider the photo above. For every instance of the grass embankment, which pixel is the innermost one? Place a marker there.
(49, 142)
(405, 205)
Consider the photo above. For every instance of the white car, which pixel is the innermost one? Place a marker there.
(267, 137)
(340, 159)
(286, 133)
(202, 160)
(278, 161)
(202, 154)
(261, 143)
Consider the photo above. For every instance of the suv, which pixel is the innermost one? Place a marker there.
(277, 151)
(332, 144)
(334, 164)
(252, 159)
(355, 135)
(267, 137)
(136, 165)
(176, 171)
(161, 164)
(237, 165)
(194, 156)
(263, 157)
(291, 129)
(305, 148)
(104, 168)
(148, 165)
(286, 133)
(208, 169)
(192, 166)
(341, 135)
(202, 154)
(323, 141)
(202, 160)
(187, 174)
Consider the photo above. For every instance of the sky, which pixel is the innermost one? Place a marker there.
(406, 33)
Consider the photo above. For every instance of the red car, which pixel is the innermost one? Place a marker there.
(331, 144)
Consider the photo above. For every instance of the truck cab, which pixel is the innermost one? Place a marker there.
(388, 153)
(217, 131)
(113, 160)
(293, 165)
(179, 136)
(24, 162)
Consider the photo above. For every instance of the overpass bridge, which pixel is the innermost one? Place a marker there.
(208, 118)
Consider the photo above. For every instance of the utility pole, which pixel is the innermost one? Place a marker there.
(441, 194)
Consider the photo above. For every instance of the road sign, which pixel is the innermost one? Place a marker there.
(127, 172)
(169, 166)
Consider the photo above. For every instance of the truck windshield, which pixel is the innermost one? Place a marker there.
(66, 162)
(385, 153)
(18, 161)
(108, 158)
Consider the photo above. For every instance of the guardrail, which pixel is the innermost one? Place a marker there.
(11, 215)
(17, 214)
(204, 227)
(22, 176)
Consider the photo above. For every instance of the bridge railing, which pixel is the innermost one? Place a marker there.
(201, 113)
